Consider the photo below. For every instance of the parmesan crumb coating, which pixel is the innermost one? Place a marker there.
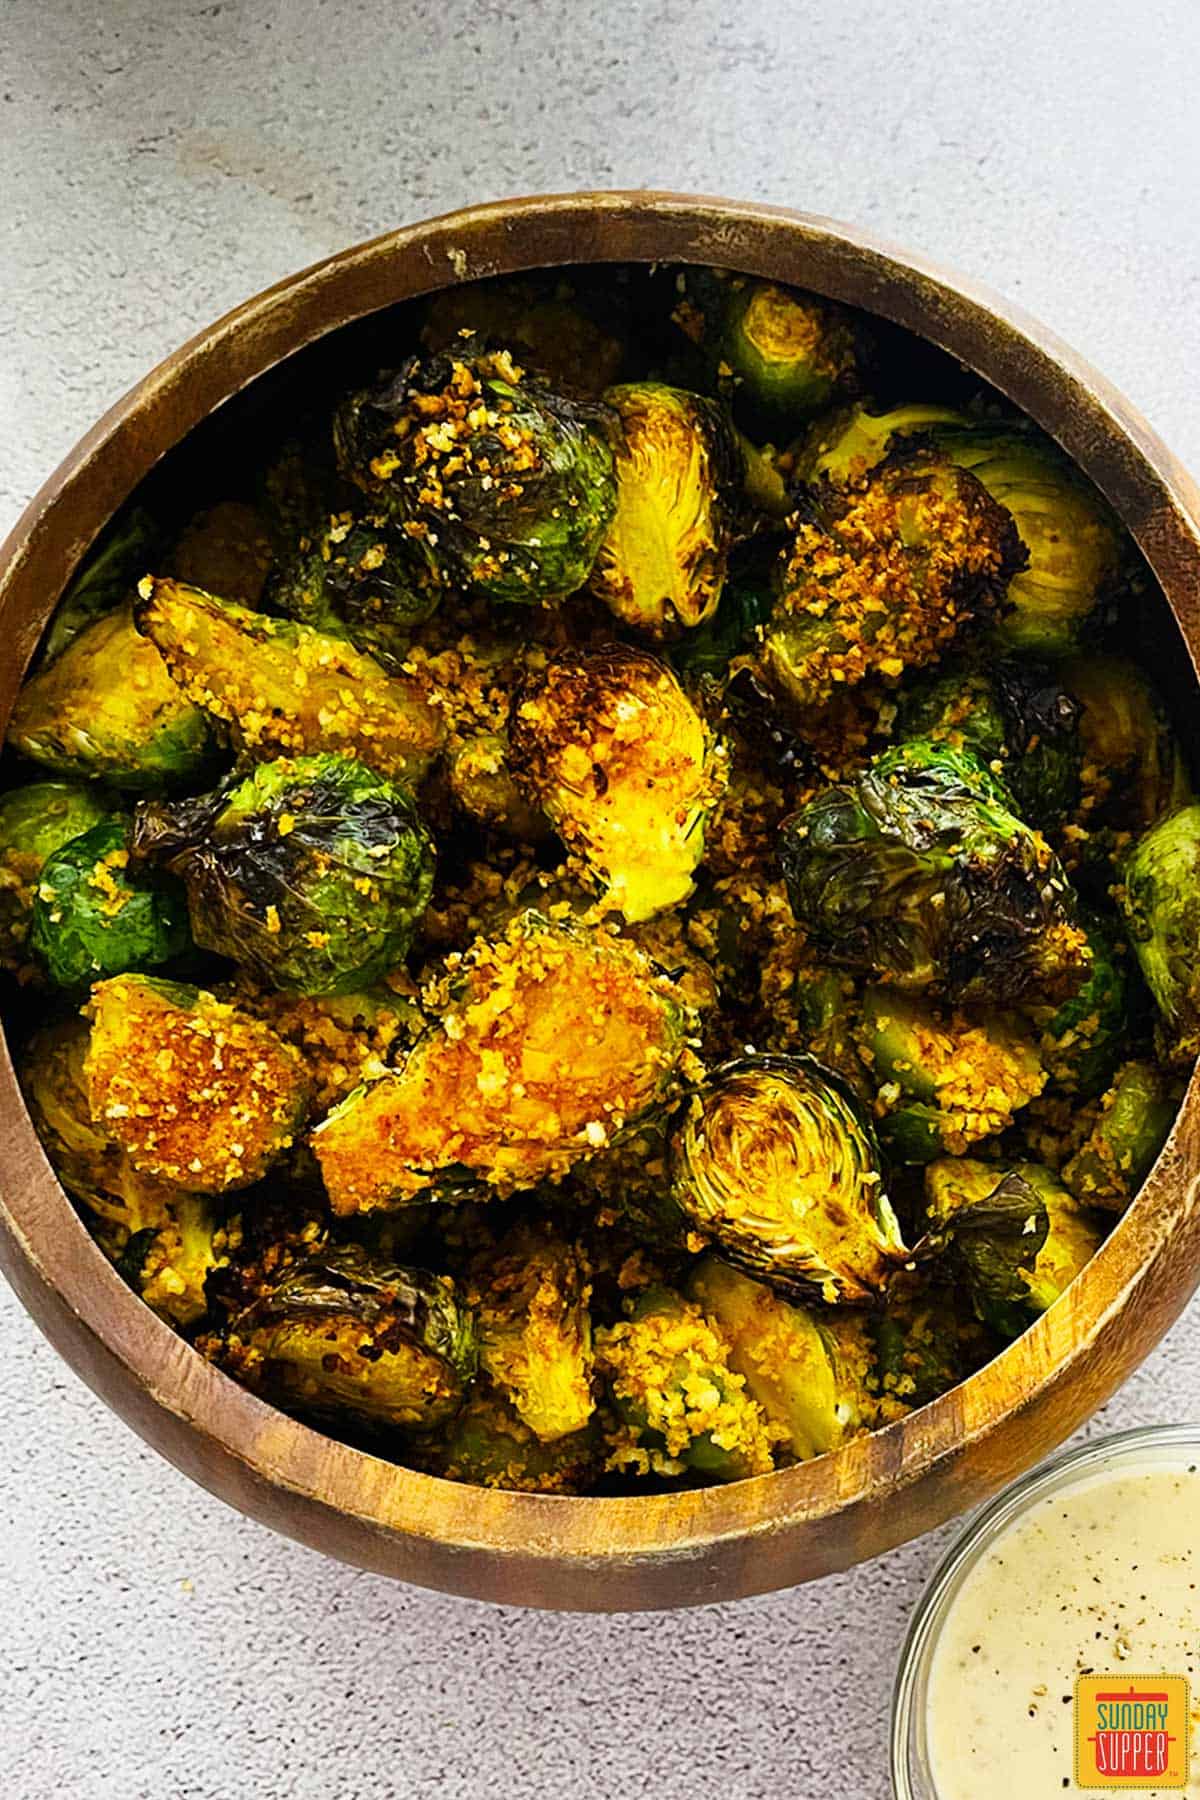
(343, 1039)
(195, 1091)
(557, 1038)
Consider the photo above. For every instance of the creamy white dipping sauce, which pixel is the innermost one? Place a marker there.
(1102, 1577)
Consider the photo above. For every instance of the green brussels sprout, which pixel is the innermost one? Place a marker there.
(783, 353)
(487, 1445)
(945, 1080)
(194, 1091)
(885, 575)
(530, 1299)
(346, 1337)
(1134, 770)
(480, 777)
(607, 743)
(1160, 898)
(1072, 539)
(556, 1039)
(284, 689)
(775, 1162)
(107, 709)
(661, 565)
(355, 577)
(505, 486)
(791, 1364)
(35, 821)
(311, 873)
(169, 1264)
(680, 1404)
(919, 871)
(923, 1344)
(1131, 1128)
(1081, 1040)
(1016, 717)
(1018, 1237)
(108, 577)
(551, 329)
(93, 917)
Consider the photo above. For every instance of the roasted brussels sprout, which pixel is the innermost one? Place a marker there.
(680, 1403)
(346, 1334)
(92, 916)
(285, 689)
(530, 1301)
(662, 563)
(923, 1344)
(194, 1091)
(552, 330)
(1160, 899)
(919, 871)
(1015, 715)
(607, 743)
(506, 486)
(790, 1363)
(356, 577)
(945, 1079)
(1133, 768)
(776, 1163)
(106, 580)
(169, 1264)
(1080, 1041)
(479, 773)
(311, 873)
(35, 821)
(885, 575)
(106, 708)
(844, 446)
(1072, 539)
(557, 1038)
(1131, 1128)
(784, 354)
(1019, 1237)
(487, 1444)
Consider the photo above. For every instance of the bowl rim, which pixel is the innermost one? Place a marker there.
(243, 1448)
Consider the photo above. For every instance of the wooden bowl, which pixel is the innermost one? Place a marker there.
(660, 1550)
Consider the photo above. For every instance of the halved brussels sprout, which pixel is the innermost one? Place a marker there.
(885, 575)
(680, 1403)
(506, 486)
(609, 745)
(1131, 1128)
(194, 1091)
(662, 563)
(776, 1163)
(945, 1080)
(557, 1039)
(311, 873)
(783, 353)
(285, 689)
(169, 1264)
(35, 821)
(790, 1363)
(93, 917)
(919, 871)
(1018, 1237)
(548, 328)
(487, 1445)
(530, 1299)
(345, 1336)
(108, 577)
(1014, 715)
(1080, 1041)
(1133, 768)
(106, 708)
(1160, 899)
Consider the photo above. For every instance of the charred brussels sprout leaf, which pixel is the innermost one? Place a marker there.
(35, 821)
(530, 1299)
(107, 709)
(506, 486)
(1131, 1128)
(1015, 713)
(680, 1403)
(555, 1040)
(107, 579)
(884, 574)
(608, 744)
(311, 874)
(1160, 898)
(776, 1163)
(662, 563)
(1134, 770)
(783, 354)
(286, 689)
(345, 1335)
(93, 916)
(194, 1091)
(921, 872)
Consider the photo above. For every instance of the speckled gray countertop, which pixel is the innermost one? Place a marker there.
(161, 160)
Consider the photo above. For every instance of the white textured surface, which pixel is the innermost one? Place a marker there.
(161, 160)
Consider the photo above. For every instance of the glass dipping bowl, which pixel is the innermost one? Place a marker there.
(912, 1774)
